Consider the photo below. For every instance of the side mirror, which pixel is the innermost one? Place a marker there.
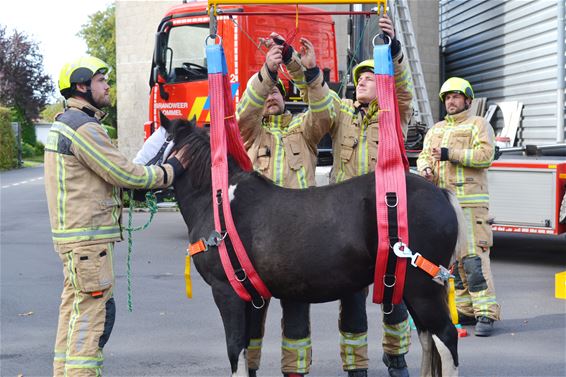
(159, 58)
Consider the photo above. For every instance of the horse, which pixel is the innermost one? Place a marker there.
(296, 239)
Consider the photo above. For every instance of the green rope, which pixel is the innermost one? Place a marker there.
(151, 202)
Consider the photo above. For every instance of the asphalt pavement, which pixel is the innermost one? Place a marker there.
(167, 334)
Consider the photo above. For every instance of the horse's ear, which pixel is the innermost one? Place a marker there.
(193, 121)
(164, 121)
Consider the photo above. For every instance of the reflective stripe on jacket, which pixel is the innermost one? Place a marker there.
(83, 174)
(355, 132)
(470, 141)
(283, 147)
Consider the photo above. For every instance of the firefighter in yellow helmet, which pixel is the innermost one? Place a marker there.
(84, 172)
(456, 155)
(354, 128)
(282, 147)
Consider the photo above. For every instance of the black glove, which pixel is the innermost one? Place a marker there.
(287, 49)
(395, 44)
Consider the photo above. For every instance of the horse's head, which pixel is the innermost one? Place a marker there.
(197, 151)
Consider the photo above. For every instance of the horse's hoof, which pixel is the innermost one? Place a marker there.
(252, 372)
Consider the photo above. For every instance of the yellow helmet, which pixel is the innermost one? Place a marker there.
(456, 84)
(357, 71)
(80, 71)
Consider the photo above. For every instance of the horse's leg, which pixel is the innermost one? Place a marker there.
(233, 312)
(296, 349)
(433, 321)
(257, 330)
(426, 360)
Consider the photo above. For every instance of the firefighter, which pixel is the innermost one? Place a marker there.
(282, 147)
(83, 175)
(354, 128)
(456, 155)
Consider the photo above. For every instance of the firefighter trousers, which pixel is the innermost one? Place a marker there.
(296, 350)
(87, 311)
(475, 291)
(353, 331)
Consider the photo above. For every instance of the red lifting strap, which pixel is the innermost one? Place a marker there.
(225, 136)
(389, 176)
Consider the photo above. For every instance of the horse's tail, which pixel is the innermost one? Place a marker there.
(462, 235)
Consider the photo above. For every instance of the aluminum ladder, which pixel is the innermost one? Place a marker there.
(406, 35)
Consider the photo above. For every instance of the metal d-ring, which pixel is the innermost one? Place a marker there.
(394, 281)
(242, 279)
(377, 35)
(387, 312)
(393, 205)
(261, 305)
(213, 37)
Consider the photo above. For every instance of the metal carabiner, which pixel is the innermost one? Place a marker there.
(402, 250)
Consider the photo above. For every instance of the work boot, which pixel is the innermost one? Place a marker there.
(484, 327)
(396, 365)
(466, 320)
(358, 373)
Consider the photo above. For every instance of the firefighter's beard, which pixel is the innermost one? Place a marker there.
(272, 108)
(455, 109)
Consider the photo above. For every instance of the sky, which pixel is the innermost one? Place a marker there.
(54, 25)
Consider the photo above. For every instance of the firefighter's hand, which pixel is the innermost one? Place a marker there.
(427, 173)
(308, 57)
(181, 155)
(274, 58)
(386, 25)
(435, 153)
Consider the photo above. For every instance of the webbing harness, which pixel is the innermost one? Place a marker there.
(390, 186)
(225, 138)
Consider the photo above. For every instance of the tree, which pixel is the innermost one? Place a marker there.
(48, 114)
(24, 86)
(100, 37)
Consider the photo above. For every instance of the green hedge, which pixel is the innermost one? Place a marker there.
(8, 150)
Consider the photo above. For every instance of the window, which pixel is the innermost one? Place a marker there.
(186, 59)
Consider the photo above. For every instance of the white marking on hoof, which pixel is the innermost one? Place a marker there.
(448, 367)
(231, 190)
(242, 370)
(426, 358)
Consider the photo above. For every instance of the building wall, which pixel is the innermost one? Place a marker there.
(136, 24)
(508, 52)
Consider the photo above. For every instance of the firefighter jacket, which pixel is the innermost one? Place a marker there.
(283, 147)
(469, 141)
(83, 175)
(355, 128)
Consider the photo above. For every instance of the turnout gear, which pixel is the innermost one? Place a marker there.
(354, 129)
(80, 71)
(83, 173)
(283, 147)
(458, 85)
(468, 141)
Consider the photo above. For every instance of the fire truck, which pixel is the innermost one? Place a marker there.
(527, 197)
(179, 86)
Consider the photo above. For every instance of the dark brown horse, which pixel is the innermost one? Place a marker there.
(317, 245)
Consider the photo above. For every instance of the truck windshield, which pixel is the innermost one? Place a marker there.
(186, 60)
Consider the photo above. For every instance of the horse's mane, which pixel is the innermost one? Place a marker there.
(198, 152)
